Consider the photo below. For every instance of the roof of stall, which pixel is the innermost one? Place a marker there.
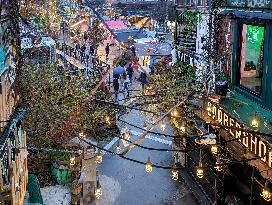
(125, 35)
(116, 25)
(159, 49)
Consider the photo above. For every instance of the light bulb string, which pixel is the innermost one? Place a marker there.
(168, 167)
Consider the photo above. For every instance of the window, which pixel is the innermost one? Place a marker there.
(251, 57)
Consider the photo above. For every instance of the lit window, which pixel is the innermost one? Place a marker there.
(251, 57)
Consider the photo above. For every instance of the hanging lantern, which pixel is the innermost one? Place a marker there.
(148, 166)
(107, 119)
(266, 194)
(200, 171)
(72, 161)
(254, 123)
(174, 113)
(218, 167)
(127, 135)
(118, 147)
(163, 125)
(98, 158)
(174, 173)
(214, 149)
(145, 126)
(81, 135)
(98, 190)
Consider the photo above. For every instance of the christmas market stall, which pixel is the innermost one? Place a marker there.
(150, 53)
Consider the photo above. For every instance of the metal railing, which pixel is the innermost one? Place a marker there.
(193, 3)
(254, 4)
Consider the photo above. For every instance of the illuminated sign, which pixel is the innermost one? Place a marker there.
(254, 143)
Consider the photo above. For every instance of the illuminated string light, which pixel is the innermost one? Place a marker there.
(98, 191)
(214, 149)
(148, 166)
(72, 161)
(145, 126)
(163, 125)
(118, 147)
(218, 167)
(266, 194)
(174, 173)
(99, 158)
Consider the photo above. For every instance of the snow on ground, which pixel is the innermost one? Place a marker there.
(56, 195)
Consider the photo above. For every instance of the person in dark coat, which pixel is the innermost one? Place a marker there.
(143, 79)
(116, 87)
(91, 51)
(130, 72)
(107, 49)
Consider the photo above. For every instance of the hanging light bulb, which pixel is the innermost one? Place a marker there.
(266, 194)
(127, 135)
(218, 167)
(98, 190)
(254, 123)
(81, 135)
(72, 161)
(145, 126)
(174, 113)
(214, 149)
(107, 119)
(118, 147)
(163, 125)
(98, 158)
(200, 171)
(174, 173)
(183, 127)
(148, 166)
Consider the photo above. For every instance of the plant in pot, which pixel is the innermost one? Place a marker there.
(221, 83)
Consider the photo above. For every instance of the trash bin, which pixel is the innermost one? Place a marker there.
(221, 87)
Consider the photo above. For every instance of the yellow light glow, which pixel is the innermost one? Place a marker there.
(217, 166)
(200, 172)
(98, 158)
(127, 135)
(175, 174)
(118, 148)
(148, 166)
(174, 113)
(107, 119)
(163, 125)
(209, 109)
(72, 161)
(214, 149)
(254, 123)
(182, 129)
(81, 135)
(266, 194)
(145, 126)
(98, 192)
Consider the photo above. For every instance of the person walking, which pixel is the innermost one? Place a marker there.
(116, 88)
(143, 80)
(107, 49)
(130, 72)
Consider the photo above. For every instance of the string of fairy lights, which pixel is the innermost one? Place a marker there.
(200, 169)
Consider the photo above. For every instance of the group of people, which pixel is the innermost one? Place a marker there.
(123, 81)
